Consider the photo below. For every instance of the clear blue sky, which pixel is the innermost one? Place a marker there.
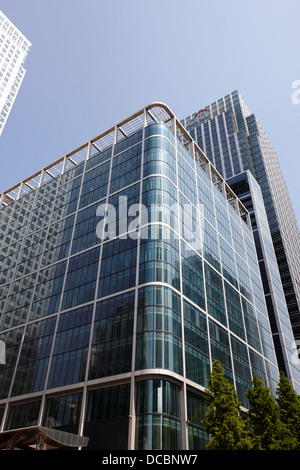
(95, 62)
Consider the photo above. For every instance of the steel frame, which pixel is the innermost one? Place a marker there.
(154, 112)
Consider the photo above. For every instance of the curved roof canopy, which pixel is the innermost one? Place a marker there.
(41, 438)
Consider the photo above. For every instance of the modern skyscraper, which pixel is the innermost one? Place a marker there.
(127, 267)
(233, 139)
(14, 48)
(248, 190)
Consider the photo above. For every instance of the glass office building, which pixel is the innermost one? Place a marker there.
(249, 192)
(14, 48)
(233, 139)
(127, 267)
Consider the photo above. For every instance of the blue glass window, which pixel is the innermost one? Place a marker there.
(98, 158)
(196, 408)
(48, 291)
(160, 198)
(126, 168)
(251, 325)
(63, 410)
(215, 295)
(158, 415)
(159, 158)
(34, 358)
(118, 266)
(234, 310)
(122, 201)
(112, 337)
(190, 223)
(85, 235)
(66, 199)
(220, 349)
(196, 344)
(58, 241)
(94, 185)
(81, 279)
(192, 276)
(12, 340)
(23, 415)
(68, 363)
(241, 369)
(187, 180)
(159, 261)
(159, 329)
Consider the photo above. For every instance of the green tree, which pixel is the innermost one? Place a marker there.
(223, 420)
(265, 427)
(289, 407)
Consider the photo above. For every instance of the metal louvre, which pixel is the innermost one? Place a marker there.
(40, 438)
(155, 112)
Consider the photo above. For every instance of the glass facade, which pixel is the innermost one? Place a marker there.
(122, 280)
(234, 141)
(14, 49)
(248, 190)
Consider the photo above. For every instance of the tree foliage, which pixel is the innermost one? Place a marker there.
(289, 406)
(265, 427)
(270, 424)
(223, 419)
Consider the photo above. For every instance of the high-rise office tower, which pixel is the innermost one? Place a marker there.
(249, 192)
(14, 48)
(126, 268)
(233, 139)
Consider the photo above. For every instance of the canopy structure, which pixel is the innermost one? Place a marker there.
(40, 438)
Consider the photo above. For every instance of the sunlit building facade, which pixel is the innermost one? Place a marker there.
(126, 268)
(14, 48)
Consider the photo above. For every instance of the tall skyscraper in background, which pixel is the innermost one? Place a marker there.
(234, 141)
(126, 268)
(14, 48)
(248, 190)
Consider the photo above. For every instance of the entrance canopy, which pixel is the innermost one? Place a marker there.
(40, 438)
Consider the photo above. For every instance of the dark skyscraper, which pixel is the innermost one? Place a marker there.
(248, 190)
(233, 139)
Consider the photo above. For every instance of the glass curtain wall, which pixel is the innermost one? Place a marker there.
(95, 292)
